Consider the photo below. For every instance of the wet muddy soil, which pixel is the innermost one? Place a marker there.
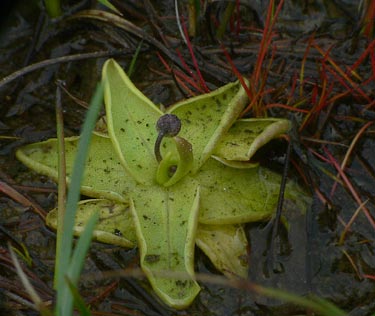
(333, 114)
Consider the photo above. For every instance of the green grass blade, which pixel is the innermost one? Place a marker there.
(77, 262)
(327, 308)
(318, 305)
(53, 8)
(134, 59)
(110, 6)
(78, 300)
(64, 305)
(61, 194)
(80, 251)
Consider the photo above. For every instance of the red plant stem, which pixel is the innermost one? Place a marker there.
(325, 93)
(314, 93)
(266, 38)
(338, 96)
(369, 276)
(292, 89)
(342, 73)
(350, 259)
(187, 68)
(372, 55)
(181, 78)
(284, 106)
(369, 105)
(321, 157)
(302, 72)
(368, 50)
(169, 69)
(371, 78)
(369, 19)
(195, 62)
(18, 197)
(321, 103)
(350, 151)
(351, 221)
(350, 187)
(236, 72)
(253, 101)
(104, 294)
(339, 79)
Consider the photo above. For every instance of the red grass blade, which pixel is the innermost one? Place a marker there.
(350, 187)
(350, 151)
(194, 60)
(15, 195)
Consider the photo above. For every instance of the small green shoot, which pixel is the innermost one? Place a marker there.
(228, 13)
(53, 8)
(39, 304)
(134, 59)
(110, 6)
(25, 255)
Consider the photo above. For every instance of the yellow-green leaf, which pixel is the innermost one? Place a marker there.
(227, 248)
(131, 118)
(236, 163)
(115, 224)
(246, 136)
(233, 196)
(104, 177)
(221, 243)
(166, 222)
(207, 117)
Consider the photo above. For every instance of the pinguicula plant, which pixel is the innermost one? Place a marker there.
(167, 181)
